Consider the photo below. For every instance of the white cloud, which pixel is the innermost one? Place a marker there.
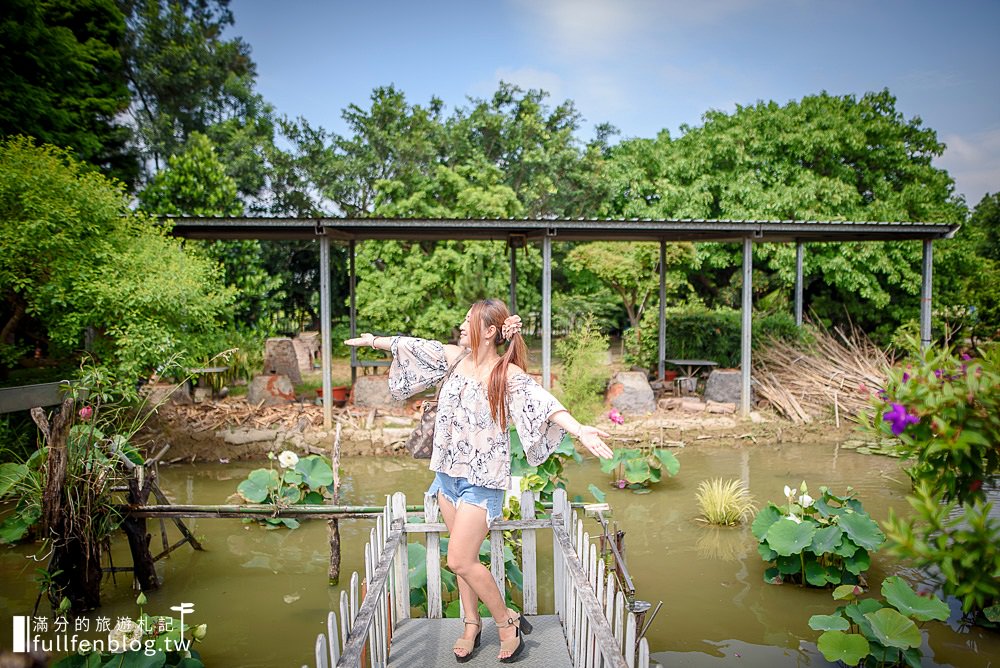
(974, 162)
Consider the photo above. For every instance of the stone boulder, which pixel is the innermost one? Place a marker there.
(631, 394)
(280, 358)
(271, 389)
(723, 386)
(373, 392)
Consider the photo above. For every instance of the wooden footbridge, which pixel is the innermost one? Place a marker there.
(592, 625)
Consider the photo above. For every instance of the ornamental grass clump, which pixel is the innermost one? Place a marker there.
(816, 542)
(724, 502)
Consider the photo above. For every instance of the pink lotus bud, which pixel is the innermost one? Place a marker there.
(86, 413)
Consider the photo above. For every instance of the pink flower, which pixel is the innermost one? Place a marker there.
(86, 413)
(616, 417)
(621, 484)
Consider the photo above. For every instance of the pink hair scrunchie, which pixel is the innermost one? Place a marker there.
(511, 326)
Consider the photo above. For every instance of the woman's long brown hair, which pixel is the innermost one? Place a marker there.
(493, 312)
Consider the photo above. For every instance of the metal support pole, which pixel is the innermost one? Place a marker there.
(799, 252)
(324, 327)
(661, 356)
(925, 294)
(747, 327)
(546, 311)
(351, 280)
(513, 279)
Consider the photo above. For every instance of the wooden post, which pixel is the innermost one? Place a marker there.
(529, 556)
(401, 593)
(433, 557)
(333, 575)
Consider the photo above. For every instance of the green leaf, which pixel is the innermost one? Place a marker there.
(826, 539)
(416, 554)
(312, 498)
(901, 596)
(290, 522)
(816, 573)
(789, 565)
(668, 460)
(839, 646)
(862, 530)
(316, 471)
(992, 613)
(258, 485)
(828, 623)
(787, 537)
(860, 562)
(763, 521)
(10, 475)
(772, 576)
(291, 495)
(636, 471)
(893, 629)
(847, 592)
(856, 613)
(598, 494)
(766, 553)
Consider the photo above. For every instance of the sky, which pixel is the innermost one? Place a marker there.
(643, 65)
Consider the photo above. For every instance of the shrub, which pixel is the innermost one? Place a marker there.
(695, 332)
(725, 502)
(585, 373)
(816, 541)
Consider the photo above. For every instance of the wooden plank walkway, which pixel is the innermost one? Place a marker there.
(427, 643)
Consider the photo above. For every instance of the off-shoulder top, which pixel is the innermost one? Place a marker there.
(467, 441)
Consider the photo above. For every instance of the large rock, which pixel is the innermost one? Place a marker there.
(723, 386)
(631, 394)
(373, 392)
(280, 358)
(307, 349)
(271, 389)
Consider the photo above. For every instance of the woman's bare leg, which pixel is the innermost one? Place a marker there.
(465, 592)
(467, 531)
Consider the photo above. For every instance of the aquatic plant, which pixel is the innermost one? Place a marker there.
(725, 502)
(638, 468)
(298, 480)
(870, 632)
(816, 542)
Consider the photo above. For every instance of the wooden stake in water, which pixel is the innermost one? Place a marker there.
(334, 573)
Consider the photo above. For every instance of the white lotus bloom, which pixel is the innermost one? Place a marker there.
(791, 516)
(125, 635)
(805, 500)
(288, 459)
(788, 492)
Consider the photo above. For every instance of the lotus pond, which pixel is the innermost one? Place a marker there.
(264, 594)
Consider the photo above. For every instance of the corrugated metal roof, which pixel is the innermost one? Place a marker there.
(576, 229)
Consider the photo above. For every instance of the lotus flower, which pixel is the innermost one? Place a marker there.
(288, 459)
(791, 516)
(616, 417)
(805, 500)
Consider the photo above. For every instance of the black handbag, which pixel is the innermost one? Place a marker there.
(421, 441)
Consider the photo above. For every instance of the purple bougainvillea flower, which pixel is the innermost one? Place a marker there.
(937, 373)
(966, 357)
(899, 418)
(616, 417)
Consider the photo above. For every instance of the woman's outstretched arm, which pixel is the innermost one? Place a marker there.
(589, 436)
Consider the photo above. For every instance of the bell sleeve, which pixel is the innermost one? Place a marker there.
(416, 365)
(530, 407)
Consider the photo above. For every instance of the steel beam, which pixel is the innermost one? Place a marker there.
(747, 326)
(926, 283)
(546, 311)
(325, 328)
(799, 252)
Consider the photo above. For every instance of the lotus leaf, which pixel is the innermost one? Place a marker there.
(258, 485)
(828, 623)
(826, 539)
(763, 521)
(902, 597)
(315, 470)
(786, 537)
(862, 530)
(839, 646)
(893, 629)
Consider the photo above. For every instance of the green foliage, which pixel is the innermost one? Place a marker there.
(816, 542)
(297, 480)
(695, 332)
(62, 79)
(548, 476)
(585, 372)
(725, 502)
(948, 420)
(74, 259)
(961, 541)
(638, 468)
(872, 633)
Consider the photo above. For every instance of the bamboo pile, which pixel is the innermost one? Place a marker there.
(836, 373)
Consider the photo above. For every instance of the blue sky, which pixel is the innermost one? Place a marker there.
(644, 65)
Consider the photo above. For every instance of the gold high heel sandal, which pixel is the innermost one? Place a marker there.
(516, 644)
(466, 645)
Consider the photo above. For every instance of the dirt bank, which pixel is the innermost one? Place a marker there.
(231, 430)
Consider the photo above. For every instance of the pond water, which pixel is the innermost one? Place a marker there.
(264, 594)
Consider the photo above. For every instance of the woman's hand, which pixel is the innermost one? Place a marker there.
(591, 439)
(366, 339)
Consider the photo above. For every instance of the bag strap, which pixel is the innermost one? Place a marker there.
(448, 374)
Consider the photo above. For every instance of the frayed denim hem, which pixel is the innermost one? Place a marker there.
(459, 491)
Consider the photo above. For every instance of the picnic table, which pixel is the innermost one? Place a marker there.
(690, 370)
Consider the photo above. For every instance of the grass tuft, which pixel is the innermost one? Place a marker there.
(725, 502)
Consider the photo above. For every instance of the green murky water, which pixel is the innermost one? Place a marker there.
(264, 595)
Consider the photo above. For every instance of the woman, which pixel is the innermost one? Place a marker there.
(471, 457)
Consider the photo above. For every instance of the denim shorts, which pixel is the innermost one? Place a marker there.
(460, 490)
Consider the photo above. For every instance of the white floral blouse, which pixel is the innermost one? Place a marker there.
(467, 441)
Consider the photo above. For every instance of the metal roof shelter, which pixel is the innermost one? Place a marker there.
(544, 231)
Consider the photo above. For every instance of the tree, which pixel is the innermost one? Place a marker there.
(824, 157)
(62, 80)
(196, 184)
(75, 259)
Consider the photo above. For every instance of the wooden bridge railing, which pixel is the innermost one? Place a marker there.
(599, 630)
